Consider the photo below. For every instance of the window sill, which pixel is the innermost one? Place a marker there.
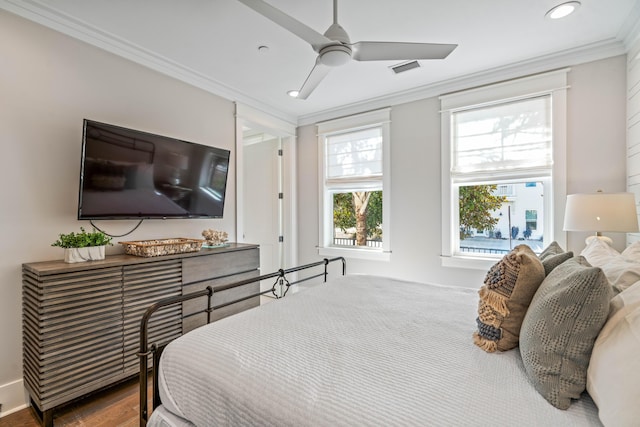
(367, 254)
(473, 263)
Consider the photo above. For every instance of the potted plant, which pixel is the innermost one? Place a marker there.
(83, 246)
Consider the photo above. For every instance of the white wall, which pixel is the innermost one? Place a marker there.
(596, 140)
(595, 149)
(633, 127)
(48, 84)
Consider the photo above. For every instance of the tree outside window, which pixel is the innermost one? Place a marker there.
(357, 216)
(477, 204)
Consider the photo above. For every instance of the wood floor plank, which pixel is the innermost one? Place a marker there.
(115, 407)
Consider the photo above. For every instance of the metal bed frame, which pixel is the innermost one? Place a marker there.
(147, 349)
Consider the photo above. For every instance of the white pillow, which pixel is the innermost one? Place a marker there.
(630, 297)
(622, 273)
(632, 251)
(612, 376)
(598, 253)
(622, 270)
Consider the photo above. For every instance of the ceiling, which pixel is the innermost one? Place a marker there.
(213, 44)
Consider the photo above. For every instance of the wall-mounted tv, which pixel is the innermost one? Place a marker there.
(130, 174)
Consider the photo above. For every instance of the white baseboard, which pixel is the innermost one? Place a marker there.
(13, 398)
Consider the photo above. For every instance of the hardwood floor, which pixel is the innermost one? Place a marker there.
(115, 407)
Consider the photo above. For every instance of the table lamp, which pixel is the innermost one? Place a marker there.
(601, 212)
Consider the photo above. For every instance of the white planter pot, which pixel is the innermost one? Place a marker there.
(90, 253)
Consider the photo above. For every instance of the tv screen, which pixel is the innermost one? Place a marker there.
(127, 174)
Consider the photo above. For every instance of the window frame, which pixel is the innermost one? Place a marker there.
(552, 83)
(379, 118)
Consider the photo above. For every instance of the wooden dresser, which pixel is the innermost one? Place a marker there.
(81, 321)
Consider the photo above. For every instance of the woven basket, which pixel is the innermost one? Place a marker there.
(150, 248)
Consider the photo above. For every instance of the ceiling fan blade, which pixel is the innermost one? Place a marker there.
(398, 51)
(301, 30)
(318, 73)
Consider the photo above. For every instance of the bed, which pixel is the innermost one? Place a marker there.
(358, 350)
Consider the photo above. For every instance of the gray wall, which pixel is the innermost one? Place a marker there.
(596, 160)
(48, 84)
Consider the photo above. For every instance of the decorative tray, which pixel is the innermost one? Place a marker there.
(158, 247)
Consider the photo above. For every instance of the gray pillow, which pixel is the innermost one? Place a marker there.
(553, 249)
(552, 261)
(552, 256)
(560, 328)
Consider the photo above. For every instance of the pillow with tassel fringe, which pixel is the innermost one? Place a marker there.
(508, 289)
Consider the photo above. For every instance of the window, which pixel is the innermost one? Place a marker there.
(354, 194)
(505, 190)
(531, 217)
(503, 164)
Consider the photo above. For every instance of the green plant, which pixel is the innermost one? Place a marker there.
(477, 202)
(82, 239)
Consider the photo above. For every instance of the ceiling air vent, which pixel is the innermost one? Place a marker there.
(405, 66)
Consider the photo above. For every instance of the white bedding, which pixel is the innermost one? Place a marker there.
(360, 350)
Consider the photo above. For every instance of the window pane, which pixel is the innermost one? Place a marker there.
(355, 154)
(357, 219)
(502, 137)
(531, 220)
(494, 221)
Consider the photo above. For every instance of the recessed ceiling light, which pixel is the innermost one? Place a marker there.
(293, 93)
(562, 10)
(263, 49)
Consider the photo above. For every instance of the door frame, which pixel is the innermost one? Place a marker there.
(247, 116)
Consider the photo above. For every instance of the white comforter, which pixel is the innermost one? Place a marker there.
(360, 350)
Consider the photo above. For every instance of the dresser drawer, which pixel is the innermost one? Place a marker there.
(223, 264)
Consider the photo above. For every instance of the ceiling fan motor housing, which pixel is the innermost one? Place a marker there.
(339, 53)
(335, 55)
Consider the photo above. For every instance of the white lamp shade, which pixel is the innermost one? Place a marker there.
(598, 212)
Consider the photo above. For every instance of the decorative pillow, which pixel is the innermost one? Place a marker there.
(622, 270)
(553, 256)
(628, 297)
(632, 251)
(507, 291)
(598, 253)
(612, 375)
(553, 249)
(622, 273)
(560, 328)
(551, 262)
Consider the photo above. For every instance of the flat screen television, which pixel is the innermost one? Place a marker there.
(130, 174)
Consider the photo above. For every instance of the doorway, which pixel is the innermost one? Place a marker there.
(266, 188)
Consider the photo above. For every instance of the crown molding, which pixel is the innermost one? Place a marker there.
(630, 29)
(561, 59)
(39, 12)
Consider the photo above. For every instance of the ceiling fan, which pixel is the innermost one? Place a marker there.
(334, 47)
